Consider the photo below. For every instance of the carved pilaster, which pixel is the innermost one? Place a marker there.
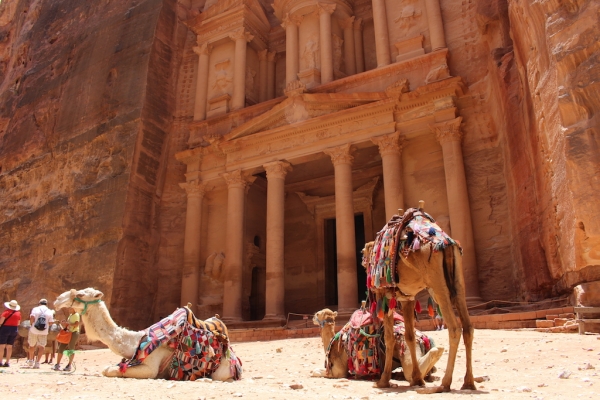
(347, 23)
(388, 144)
(272, 56)
(358, 24)
(448, 131)
(277, 169)
(340, 155)
(194, 188)
(262, 55)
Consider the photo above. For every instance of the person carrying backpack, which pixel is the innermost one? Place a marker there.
(41, 318)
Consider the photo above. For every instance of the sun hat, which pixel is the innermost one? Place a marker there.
(43, 301)
(13, 305)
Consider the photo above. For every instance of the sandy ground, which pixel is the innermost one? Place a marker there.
(519, 364)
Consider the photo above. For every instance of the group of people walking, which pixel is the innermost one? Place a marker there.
(41, 319)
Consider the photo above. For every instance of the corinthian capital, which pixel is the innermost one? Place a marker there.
(194, 188)
(271, 56)
(238, 178)
(262, 55)
(340, 155)
(277, 169)
(241, 34)
(326, 8)
(358, 24)
(388, 144)
(448, 131)
(202, 49)
(347, 23)
(291, 20)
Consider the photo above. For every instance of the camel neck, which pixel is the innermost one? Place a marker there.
(327, 333)
(100, 326)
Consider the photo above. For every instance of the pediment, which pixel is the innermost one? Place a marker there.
(301, 108)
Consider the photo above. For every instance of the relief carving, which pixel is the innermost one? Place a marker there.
(222, 78)
(408, 17)
(309, 56)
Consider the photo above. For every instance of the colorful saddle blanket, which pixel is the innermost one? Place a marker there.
(363, 341)
(197, 352)
(410, 232)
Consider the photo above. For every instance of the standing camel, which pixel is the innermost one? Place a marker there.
(421, 256)
(100, 326)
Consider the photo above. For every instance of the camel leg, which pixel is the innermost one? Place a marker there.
(467, 331)
(148, 369)
(388, 328)
(453, 340)
(408, 311)
(428, 360)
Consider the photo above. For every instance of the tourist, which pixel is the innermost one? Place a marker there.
(38, 337)
(9, 322)
(438, 321)
(72, 325)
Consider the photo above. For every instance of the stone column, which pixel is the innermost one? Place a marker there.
(237, 183)
(191, 246)
(201, 82)
(449, 135)
(271, 57)
(358, 46)
(382, 38)
(391, 160)
(241, 38)
(325, 11)
(344, 215)
(436, 24)
(262, 75)
(275, 293)
(349, 56)
(290, 23)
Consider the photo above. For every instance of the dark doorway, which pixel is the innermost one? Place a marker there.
(359, 239)
(257, 294)
(331, 292)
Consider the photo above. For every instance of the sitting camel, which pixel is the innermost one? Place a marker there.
(100, 326)
(338, 356)
(421, 256)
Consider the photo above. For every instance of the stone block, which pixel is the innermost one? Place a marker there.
(410, 48)
(567, 315)
(560, 321)
(551, 317)
(544, 323)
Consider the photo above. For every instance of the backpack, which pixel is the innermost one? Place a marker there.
(40, 322)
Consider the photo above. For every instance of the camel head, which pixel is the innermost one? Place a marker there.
(366, 252)
(325, 316)
(78, 299)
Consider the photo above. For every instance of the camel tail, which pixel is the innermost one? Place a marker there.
(449, 270)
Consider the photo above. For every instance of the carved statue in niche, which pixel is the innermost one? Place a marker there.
(222, 78)
(310, 53)
(250, 74)
(408, 17)
(214, 265)
(337, 52)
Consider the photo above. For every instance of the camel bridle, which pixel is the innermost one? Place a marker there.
(86, 303)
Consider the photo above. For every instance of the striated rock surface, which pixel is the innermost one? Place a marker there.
(96, 98)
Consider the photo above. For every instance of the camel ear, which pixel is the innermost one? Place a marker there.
(98, 295)
(335, 314)
(73, 292)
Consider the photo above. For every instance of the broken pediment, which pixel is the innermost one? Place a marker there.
(303, 107)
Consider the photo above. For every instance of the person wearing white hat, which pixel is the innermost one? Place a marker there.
(9, 322)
